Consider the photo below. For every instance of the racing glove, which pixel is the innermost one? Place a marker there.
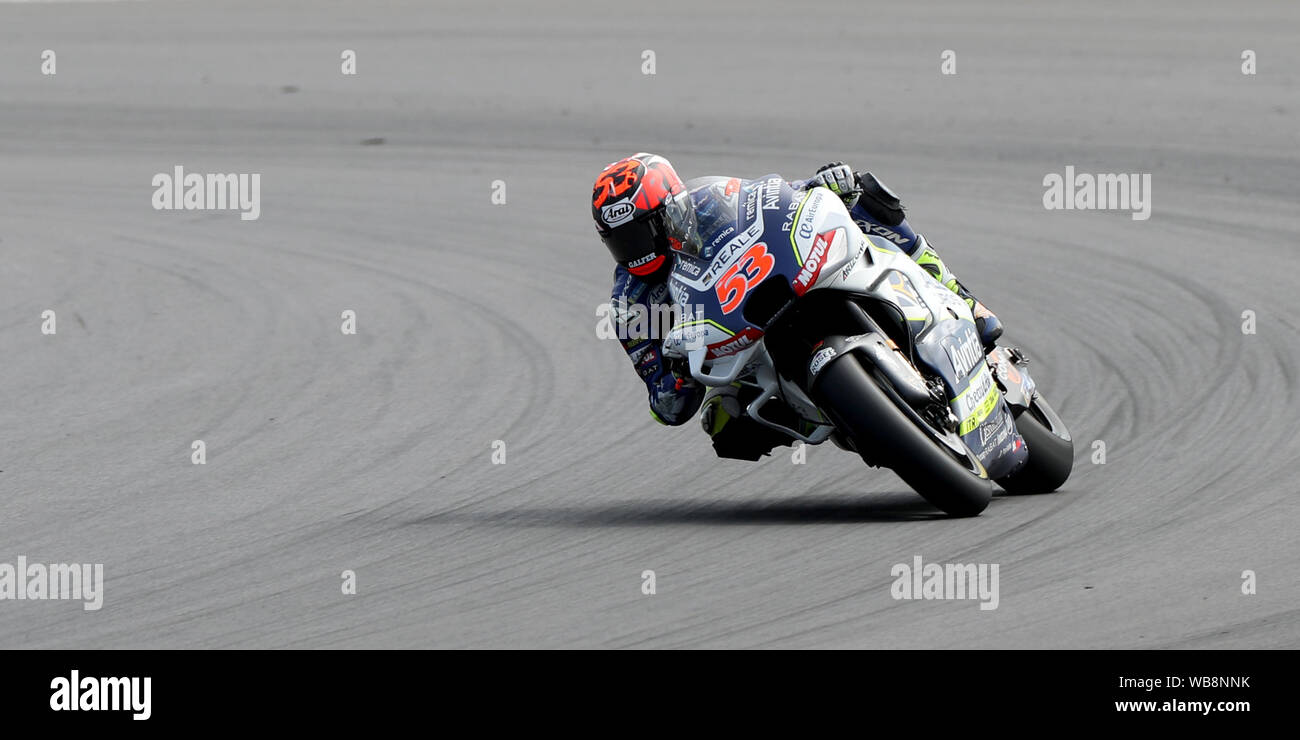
(839, 179)
(674, 398)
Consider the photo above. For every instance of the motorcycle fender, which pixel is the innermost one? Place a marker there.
(876, 350)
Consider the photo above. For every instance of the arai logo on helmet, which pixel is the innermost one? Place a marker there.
(617, 213)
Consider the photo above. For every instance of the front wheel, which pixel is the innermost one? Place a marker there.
(1051, 451)
(886, 431)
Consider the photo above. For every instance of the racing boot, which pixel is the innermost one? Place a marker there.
(988, 325)
(735, 435)
(721, 405)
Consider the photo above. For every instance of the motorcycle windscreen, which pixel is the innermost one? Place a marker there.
(700, 217)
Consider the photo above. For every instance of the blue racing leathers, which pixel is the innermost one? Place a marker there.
(637, 306)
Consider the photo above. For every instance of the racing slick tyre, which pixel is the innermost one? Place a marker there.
(887, 431)
(1051, 451)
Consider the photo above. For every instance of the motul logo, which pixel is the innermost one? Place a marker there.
(733, 347)
(812, 267)
(742, 341)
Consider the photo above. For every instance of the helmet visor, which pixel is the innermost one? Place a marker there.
(680, 225)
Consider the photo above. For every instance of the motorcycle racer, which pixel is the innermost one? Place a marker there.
(644, 212)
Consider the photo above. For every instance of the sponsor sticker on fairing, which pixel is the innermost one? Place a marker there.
(994, 431)
(820, 359)
(807, 213)
(771, 193)
(964, 351)
(974, 395)
(812, 266)
(883, 231)
(857, 259)
(742, 341)
(726, 256)
(721, 236)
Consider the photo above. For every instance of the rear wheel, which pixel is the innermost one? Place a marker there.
(1051, 451)
(887, 431)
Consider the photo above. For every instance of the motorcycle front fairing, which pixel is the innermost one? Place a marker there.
(777, 233)
(714, 287)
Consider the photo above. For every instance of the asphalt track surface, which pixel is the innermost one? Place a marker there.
(476, 322)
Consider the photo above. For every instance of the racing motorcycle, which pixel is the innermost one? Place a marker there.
(847, 339)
